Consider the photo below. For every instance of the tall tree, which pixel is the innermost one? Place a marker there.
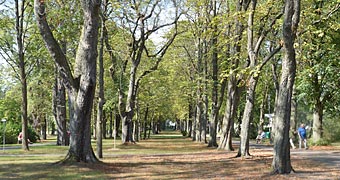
(13, 51)
(81, 85)
(141, 21)
(255, 66)
(281, 160)
(234, 88)
(101, 99)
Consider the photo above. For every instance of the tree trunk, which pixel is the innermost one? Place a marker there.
(233, 90)
(317, 121)
(247, 118)
(104, 125)
(129, 108)
(117, 124)
(111, 124)
(214, 96)
(281, 160)
(94, 120)
(19, 26)
(101, 99)
(293, 117)
(44, 128)
(81, 85)
(251, 85)
(63, 138)
(253, 49)
(145, 120)
(262, 109)
(229, 114)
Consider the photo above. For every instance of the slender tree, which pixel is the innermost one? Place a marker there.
(256, 66)
(101, 99)
(13, 50)
(234, 88)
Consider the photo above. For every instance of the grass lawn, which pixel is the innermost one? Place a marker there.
(165, 156)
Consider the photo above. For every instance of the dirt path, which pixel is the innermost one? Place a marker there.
(329, 158)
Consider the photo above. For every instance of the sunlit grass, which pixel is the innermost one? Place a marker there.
(168, 155)
(40, 160)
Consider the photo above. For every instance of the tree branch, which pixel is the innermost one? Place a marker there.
(52, 45)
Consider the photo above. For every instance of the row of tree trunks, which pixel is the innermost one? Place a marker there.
(233, 91)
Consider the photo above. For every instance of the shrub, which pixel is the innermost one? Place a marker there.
(322, 142)
(12, 132)
(184, 133)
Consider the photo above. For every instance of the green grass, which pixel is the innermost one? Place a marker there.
(40, 161)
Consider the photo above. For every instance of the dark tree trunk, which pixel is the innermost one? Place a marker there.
(63, 138)
(81, 84)
(44, 128)
(281, 160)
(146, 120)
(117, 123)
(214, 96)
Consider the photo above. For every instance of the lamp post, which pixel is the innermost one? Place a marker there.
(4, 135)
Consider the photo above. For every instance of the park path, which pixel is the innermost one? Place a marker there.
(329, 158)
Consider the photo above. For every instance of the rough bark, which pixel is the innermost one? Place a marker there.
(214, 96)
(59, 97)
(281, 160)
(81, 86)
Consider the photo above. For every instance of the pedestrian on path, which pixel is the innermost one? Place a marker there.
(302, 136)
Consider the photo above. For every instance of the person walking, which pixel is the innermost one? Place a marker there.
(302, 136)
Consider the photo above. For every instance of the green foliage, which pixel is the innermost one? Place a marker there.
(10, 105)
(331, 128)
(321, 142)
(12, 132)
